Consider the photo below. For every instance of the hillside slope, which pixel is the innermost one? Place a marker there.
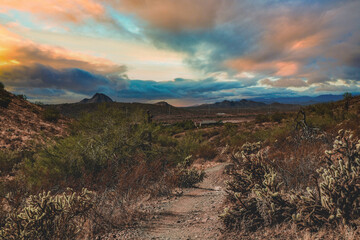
(22, 123)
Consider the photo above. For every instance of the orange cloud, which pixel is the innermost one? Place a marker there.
(74, 11)
(179, 14)
(276, 68)
(15, 50)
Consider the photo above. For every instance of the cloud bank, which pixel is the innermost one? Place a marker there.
(267, 47)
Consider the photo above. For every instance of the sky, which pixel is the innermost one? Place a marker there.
(185, 52)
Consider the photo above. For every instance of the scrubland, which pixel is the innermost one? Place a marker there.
(289, 175)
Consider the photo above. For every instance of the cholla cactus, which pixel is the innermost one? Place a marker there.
(310, 212)
(254, 192)
(47, 216)
(249, 170)
(340, 186)
(272, 205)
(338, 198)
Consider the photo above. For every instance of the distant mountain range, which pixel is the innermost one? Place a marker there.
(97, 98)
(231, 106)
(235, 104)
(301, 100)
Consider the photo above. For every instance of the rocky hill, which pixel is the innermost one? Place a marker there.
(22, 124)
(97, 98)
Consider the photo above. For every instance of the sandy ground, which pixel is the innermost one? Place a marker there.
(193, 215)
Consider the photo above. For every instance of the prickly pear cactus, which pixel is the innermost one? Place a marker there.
(47, 216)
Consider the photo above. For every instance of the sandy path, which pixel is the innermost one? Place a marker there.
(193, 215)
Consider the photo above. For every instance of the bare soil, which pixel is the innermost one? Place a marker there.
(192, 215)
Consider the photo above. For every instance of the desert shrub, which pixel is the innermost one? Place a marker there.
(206, 150)
(22, 96)
(113, 209)
(278, 117)
(178, 127)
(7, 161)
(99, 143)
(39, 103)
(188, 145)
(103, 145)
(322, 122)
(261, 118)
(51, 115)
(2, 86)
(323, 109)
(185, 125)
(47, 216)
(261, 134)
(188, 177)
(230, 129)
(5, 99)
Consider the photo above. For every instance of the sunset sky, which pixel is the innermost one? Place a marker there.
(182, 51)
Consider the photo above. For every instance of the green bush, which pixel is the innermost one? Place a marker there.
(278, 117)
(47, 216)
(99, 146)
(5, 99)
(261, 118)
(188, 177)
(51, 115)
(22, 96)
(2, 86)
(7, 161)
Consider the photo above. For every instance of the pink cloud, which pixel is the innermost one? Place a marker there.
(74, 11)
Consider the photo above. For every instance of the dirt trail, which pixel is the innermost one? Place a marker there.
(193, 215)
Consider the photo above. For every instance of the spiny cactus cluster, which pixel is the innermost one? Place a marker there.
(257, 198)
(338, 198)
(272, 204)
(257, 201)
(253, 191)
(310, 212)
(249, 170)
(47, 216)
